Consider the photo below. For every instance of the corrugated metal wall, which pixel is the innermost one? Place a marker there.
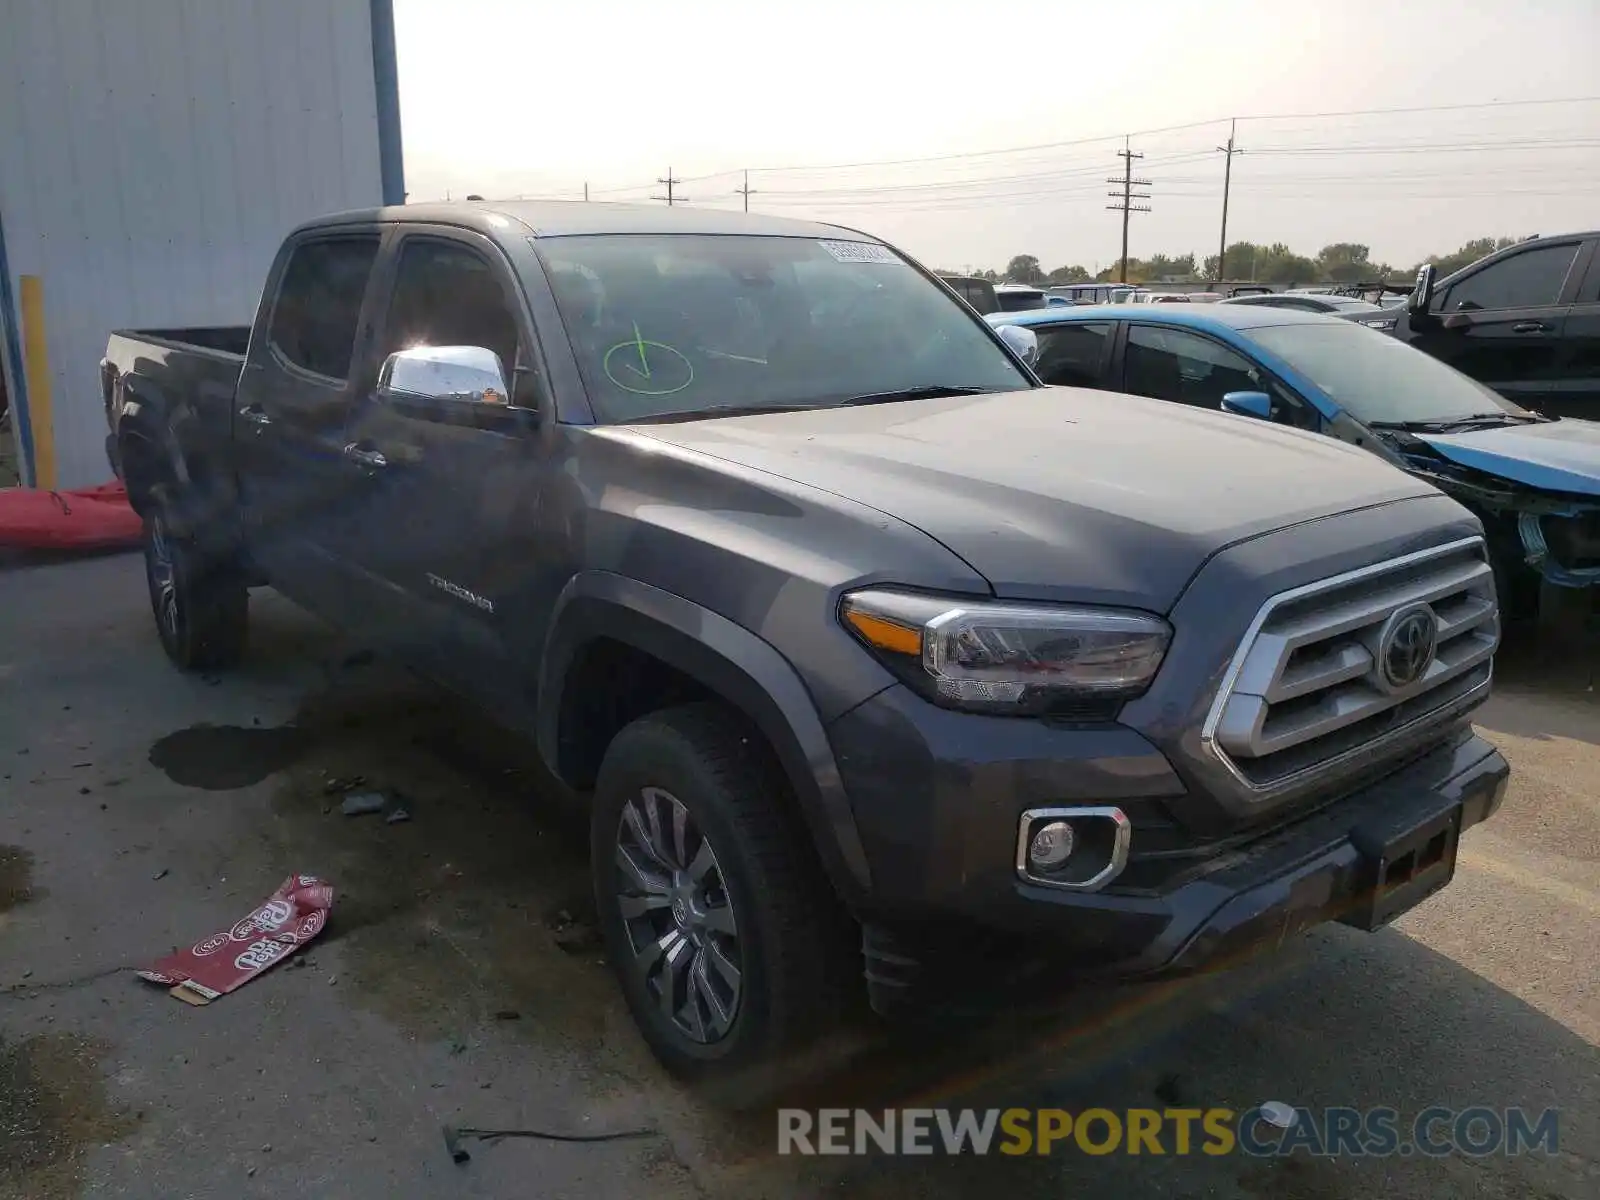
(152, 155)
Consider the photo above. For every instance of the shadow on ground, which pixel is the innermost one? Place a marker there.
(469, 922)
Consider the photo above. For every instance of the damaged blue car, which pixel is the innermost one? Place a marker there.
(1533, 480)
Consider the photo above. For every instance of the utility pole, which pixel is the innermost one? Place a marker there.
(746, 191)
(669, 182)
(1227, 181)
(1128, 196)
(586, 191)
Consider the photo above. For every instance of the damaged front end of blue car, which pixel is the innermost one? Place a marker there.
(1537, 491)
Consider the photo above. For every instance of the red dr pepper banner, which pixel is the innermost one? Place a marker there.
(291, 917)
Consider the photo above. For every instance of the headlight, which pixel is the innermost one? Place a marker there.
(1008, 658)
(1380, 322)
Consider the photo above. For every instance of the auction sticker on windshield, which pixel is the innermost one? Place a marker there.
(859, 252)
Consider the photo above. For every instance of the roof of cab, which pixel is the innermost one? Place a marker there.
(1195, 316)
(565, 218)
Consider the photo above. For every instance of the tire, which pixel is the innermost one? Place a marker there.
(761, 902)
(201, 608)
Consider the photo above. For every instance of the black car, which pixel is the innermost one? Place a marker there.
(1524, 320)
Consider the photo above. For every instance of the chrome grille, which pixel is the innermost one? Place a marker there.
(1307, 690)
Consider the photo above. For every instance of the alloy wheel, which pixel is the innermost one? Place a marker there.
(679, 918)
(163, 579)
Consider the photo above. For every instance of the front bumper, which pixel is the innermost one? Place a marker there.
(941, 836)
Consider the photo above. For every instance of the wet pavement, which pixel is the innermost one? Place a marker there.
(458, 981)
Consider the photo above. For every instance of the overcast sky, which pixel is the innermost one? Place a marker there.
(1002, 101)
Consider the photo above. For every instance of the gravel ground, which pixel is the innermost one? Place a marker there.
(458, 981)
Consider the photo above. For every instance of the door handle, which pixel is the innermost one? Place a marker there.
(364, 458)
(255, 414)
(1530, 327)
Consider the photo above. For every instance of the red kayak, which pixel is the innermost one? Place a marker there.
(94, 518)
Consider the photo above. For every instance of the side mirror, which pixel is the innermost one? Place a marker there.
(1248, 404)
(1421, 298)
(462, 374)
(1022, 341)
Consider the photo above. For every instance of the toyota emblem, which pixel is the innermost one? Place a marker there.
(1407, 645)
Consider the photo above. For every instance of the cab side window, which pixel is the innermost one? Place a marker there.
(446, 294)
(318, 307)
(1531, 279)
(1071, 355)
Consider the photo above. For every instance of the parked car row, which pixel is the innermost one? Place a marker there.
(1531, 477)
(870, 651)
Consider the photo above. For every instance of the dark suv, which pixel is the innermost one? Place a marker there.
(1525, 320)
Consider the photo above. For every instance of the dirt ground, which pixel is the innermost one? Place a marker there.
(458, 981)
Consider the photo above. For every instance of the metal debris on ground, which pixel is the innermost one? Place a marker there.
(335, 786)
(573, 935)
(231, 958)
(362, 803)
(396, 815)
(453, 1137)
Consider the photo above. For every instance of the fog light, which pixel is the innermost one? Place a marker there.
(1051, 845)
(1077, 849)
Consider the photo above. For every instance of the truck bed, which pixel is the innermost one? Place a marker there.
(170, 382)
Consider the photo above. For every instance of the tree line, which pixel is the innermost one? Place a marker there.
(1339, 262)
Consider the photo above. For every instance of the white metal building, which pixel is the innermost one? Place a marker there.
(153, 153)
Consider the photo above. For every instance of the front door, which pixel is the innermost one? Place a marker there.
(294, 397)
(443, 489)
(1502, 324)
(1576, 391)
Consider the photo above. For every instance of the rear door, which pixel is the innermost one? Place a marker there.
(445, 492)
(1074, 353)
(1502, 324)
(294, 397)
(1576, 389)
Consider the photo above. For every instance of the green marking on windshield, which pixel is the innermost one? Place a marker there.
(638, 341)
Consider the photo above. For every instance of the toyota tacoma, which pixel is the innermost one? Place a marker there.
(859, 641)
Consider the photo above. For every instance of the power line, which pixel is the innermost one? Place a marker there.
(1421, 108)
(1522, 144)
(1128, 207)
(671, 197)
(1141, 133)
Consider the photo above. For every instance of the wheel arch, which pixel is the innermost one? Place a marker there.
(728, 662)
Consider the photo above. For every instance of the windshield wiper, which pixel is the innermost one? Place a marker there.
(716, 410)
(1479, 421)
(930, 391)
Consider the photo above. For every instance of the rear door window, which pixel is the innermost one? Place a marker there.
(318, 306)
(1072, 355)
(1532, 279)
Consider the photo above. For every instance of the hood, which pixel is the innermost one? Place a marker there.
(1561, 456)
(1062, 493)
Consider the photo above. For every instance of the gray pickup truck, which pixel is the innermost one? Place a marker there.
(868, 651)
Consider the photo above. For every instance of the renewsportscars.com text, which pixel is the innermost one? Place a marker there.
(1265, 1131)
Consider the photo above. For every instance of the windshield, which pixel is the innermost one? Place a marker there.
(1377, 378)
(1020, 301)
(1353, 304)
(675, 323)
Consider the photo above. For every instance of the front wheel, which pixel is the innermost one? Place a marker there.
(201, 607)
(722, 930)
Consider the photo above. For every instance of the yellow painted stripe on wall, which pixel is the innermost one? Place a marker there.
(36, 366)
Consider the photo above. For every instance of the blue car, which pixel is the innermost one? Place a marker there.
(1533, 480)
